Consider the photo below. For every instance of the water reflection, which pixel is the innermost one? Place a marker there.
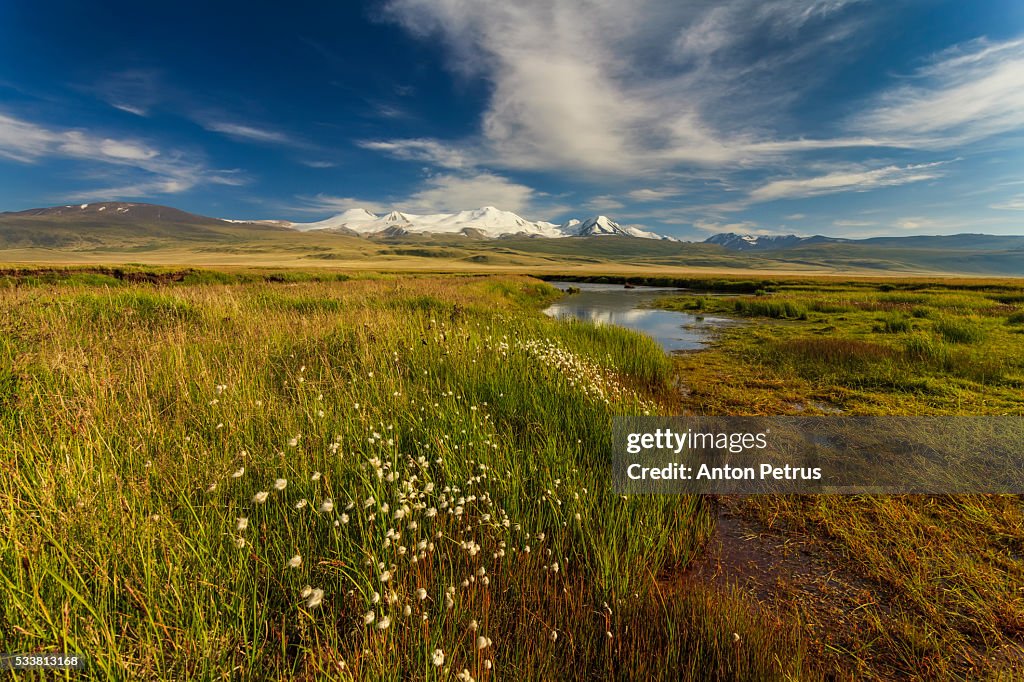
(614, 304)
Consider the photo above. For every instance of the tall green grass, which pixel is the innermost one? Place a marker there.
(441, 419)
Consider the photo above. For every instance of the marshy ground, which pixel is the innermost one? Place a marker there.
(287, 476)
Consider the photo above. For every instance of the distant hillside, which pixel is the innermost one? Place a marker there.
(114, 224)
(122, 232)
(970, 242)
(116, 211)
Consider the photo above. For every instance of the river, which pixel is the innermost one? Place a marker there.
(614, 304)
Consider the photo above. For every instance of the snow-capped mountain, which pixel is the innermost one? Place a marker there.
(753, 242)
(603, 225)
(487, 222)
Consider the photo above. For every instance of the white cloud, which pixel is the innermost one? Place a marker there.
(856, 180)
(796, 216)
(240, 131)
(443, 193)
(652, 194)
(451, 192)
(326, 203)
(742, 227)
(135, 91)
(964, 94)
(577, 84)
(604, 202)
(438, 194)
(1012, 204)
(853, 223)
(421, 149)
(914, 223)
(153, 171)
(130, 108)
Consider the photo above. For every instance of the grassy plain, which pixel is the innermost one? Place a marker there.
(422, 465)
(421, 462)
(916, 586)
(89, 239)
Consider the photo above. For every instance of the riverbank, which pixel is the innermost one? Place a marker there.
(886, 586)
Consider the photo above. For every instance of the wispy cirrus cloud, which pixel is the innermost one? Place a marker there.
(130, 108)
(604, 202)
(576, 85)
(647, 194)
(1011, 204)
(321, 204)
(853, 180)
(135, 91)
(854, 223)
(964, 94)
(743, 226)
(248, 133)
(151, 170)
(444, 192)
(313, 163)
(422, 149)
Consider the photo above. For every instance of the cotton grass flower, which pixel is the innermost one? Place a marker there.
(260, 497)
(437, 658)
(315, 476)
(280, 484)
(327, 506)
(295, 561)
(421, 594)
(243, 523)
(306, 591)
(369, 617)
(384, 623)
(238, 472)
(482, 642)
(315, 597)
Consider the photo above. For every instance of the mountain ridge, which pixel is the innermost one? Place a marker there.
(486, 221)
(89, 222)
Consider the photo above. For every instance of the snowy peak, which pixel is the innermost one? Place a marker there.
(601, 225)
(753, 242)
(485, 222)
(396, 218)
(356, 214)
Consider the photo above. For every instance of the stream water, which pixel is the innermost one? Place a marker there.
(614, 304)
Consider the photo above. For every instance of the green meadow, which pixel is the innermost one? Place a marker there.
(281, 475)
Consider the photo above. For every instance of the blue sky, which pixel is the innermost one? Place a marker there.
(840, 117)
